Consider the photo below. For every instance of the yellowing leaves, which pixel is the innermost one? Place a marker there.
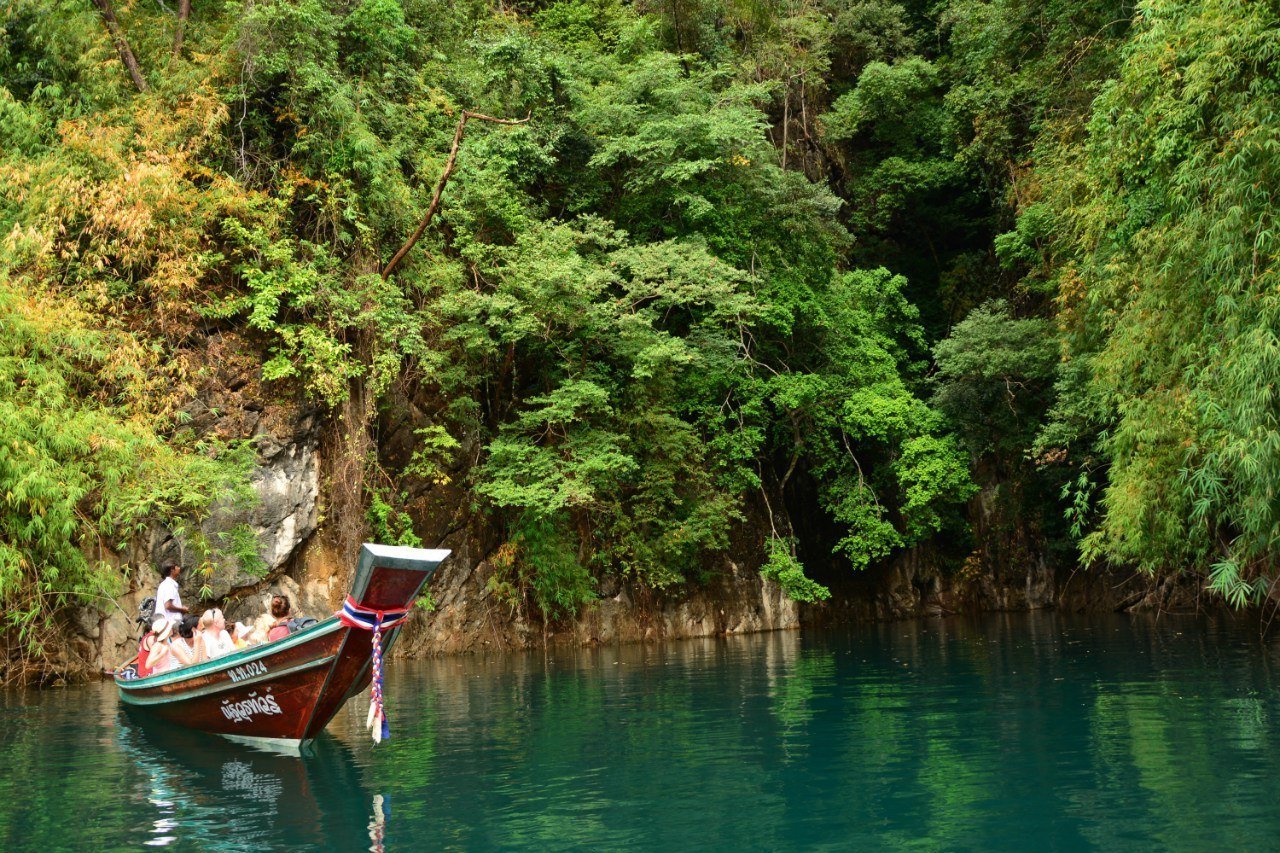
(123, 211)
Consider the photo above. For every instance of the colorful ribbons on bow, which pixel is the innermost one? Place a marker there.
(353, 615)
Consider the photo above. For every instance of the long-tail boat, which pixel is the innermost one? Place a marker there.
(285, 692)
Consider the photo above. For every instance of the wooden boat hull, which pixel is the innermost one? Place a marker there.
(288, 691)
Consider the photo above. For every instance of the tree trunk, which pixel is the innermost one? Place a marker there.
(444, 179)
(121, 43)
(184, 12)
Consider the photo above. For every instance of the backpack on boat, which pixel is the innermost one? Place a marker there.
(299, 623)
(146, 612)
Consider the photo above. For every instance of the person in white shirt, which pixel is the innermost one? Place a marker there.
(212, 639)
(168, 600)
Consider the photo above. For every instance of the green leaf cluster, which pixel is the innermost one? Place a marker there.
(83, 467)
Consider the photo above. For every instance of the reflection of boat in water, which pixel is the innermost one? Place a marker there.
(288, 690)
(241, 797)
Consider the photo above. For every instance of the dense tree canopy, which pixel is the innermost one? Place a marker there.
(872, 246)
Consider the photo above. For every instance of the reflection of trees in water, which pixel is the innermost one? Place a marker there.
(798, 687)
(1000, 727)
(59, 775)
(936, 734)
(1191, 767)
(931, 734)
(589, 746)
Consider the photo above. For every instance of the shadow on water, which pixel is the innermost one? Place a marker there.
(215, 793)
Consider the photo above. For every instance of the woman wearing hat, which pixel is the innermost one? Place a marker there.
(165, 655)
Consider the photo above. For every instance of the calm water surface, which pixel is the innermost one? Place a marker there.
(1000, 733)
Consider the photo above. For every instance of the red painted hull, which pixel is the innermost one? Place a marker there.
(288, 690)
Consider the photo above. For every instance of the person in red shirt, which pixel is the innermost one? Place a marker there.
(147, 644)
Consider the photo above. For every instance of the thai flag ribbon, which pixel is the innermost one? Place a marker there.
(353, 615)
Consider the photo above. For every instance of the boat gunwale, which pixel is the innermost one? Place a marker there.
(232, 660)
(226, 686)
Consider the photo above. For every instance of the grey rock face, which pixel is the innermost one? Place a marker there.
(311, 597)
(468, 618)
(287, 483)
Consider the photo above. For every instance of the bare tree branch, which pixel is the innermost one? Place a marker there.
(440, 184)
(121, 43)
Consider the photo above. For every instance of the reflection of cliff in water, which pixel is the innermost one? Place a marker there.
(229, 796)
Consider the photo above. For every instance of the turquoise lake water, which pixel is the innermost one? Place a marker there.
(1007, 732)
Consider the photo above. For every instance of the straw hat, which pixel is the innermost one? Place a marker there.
(162, 628)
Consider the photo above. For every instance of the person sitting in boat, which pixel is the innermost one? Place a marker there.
(212, 639)
(240, 635)
(166, 653)
(186, 635)
(280, 612)
(146, 645)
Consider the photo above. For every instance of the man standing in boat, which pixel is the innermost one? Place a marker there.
(168, 601)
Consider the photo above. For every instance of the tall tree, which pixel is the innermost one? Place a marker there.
(179, 29)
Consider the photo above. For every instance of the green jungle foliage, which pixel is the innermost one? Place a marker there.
(874, 248)
(82, 466)
(1165, 253)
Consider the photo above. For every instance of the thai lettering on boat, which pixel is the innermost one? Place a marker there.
(246, 709)
(248, 670)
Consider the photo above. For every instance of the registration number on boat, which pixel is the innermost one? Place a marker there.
(248, 670)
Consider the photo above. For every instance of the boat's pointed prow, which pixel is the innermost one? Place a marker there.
(388, 576)
(386, 555)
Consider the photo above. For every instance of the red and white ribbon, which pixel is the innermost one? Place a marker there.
(354, 615)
